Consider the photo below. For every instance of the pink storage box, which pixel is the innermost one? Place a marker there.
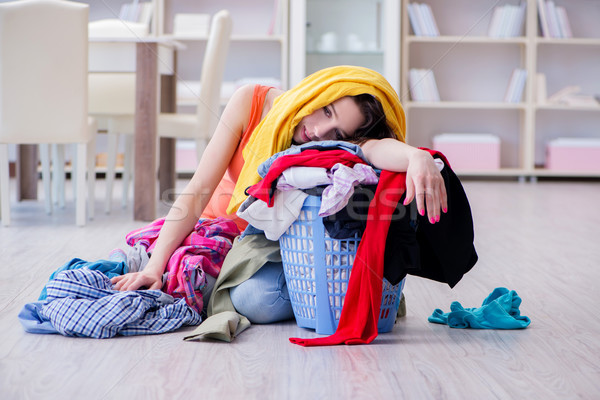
(469, 151)
(185, 156)
(573, 154)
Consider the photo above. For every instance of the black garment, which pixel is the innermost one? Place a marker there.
(444, 251)
(351, 220)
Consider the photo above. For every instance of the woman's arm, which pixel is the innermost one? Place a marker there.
(423, 179)
(190, 203)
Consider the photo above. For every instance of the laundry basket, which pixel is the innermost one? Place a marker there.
(317, 269)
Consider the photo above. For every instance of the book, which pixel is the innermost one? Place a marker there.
(540, 88)
(137, 12)
(521, 13)
(415, 23)
(541, 6)
(422, 85)
(563, 23)
(516, 86)
(564, 92)
(422, 20)
(430, 24)
(494, 27)
(507, 21)
(552, 19)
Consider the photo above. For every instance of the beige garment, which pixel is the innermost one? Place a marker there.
(246, 257)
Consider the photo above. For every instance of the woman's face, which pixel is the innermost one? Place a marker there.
(337, 121)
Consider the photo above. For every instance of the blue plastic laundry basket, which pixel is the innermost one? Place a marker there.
(317, 270)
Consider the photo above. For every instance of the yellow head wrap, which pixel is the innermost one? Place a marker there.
(275, 131)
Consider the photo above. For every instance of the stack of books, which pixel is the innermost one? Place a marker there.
(507, 21)
(422, 85)
(136, 12)
(516, 85)
(554, 22)
(422, 20)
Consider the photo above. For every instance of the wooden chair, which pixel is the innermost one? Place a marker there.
(43, 91)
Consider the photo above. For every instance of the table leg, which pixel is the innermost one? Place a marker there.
(166, 163)
(27, 173)
(144, 190)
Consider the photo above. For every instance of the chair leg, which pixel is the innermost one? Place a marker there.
(46, 176)
(79, 172)
(127, 169)
(111, 161)
(58, 174)
(4, 186)
(91, 176)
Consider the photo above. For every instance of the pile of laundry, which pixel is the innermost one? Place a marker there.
(79, 299)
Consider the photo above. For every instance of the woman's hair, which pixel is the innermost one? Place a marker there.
(375, 125)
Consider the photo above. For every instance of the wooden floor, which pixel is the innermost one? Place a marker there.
(540, 239)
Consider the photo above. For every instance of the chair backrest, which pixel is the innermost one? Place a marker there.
(211, 79)
(43, 72)
(113, 93)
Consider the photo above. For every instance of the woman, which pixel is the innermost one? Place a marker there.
(338, 103)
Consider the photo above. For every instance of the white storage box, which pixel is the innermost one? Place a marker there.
(192, 25)
(469, 151)
(573, 154)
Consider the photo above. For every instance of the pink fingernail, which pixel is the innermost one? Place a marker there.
(432, 220)
(422, 212)
(445, 210)
(437, 218)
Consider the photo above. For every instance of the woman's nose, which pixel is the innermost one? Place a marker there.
(323, 132)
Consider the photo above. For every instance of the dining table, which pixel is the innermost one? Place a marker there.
(154, 61)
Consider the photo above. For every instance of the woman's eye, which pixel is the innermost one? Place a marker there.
(327, 111)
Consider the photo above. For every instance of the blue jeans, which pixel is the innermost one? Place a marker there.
(263, 298)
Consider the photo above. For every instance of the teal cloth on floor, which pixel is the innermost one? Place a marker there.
(500, 310)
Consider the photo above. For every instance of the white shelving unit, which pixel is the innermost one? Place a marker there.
(472, 71)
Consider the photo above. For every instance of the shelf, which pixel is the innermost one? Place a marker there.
(465, 105)
(561, 107)
(466, 39)
(471, 67)
(345, 53)
(234, 38)
(569, 42)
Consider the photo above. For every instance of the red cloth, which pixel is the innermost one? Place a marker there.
(265, 189)
(360, 314)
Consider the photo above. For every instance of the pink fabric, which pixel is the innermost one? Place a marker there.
(202, 251)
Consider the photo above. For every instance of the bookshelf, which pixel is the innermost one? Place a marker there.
(474, 58)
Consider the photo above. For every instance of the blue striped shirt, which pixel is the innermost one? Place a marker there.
(82, 302)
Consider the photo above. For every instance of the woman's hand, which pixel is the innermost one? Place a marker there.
(424, 181)
(145, 279)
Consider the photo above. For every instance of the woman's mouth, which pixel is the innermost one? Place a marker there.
(305, 137)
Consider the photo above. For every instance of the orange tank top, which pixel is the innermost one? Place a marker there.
(217, 206)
